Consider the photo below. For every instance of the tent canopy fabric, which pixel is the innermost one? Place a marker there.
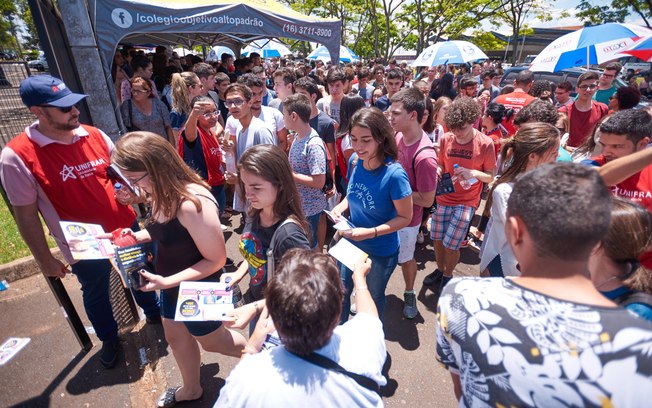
(205, 22)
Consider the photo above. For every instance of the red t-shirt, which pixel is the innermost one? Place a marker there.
(496, 134)
(478, 154)
(516, 101)
(637, 188)
(582, 123)
(73, 177)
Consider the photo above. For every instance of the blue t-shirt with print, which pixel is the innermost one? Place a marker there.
(371, 196)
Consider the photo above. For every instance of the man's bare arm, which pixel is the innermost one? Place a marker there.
(30, 228)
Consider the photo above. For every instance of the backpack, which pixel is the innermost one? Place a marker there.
(270, 251)
(442, 187)
(330, 169)
(634, 297)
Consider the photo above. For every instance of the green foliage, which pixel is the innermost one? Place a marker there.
(31, 36)
(616, 12)
(486, 41)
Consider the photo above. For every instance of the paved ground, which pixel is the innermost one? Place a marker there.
(51, 370)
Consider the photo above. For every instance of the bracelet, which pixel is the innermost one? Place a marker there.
(375, 232)
(361, 288)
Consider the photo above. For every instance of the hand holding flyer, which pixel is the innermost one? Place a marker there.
(341, 223)
(83, 243)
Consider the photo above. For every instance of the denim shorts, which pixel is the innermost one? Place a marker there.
(168, 309)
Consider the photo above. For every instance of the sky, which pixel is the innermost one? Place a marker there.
(557, 8)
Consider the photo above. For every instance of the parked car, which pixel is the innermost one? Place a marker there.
(39, 64)
(569, 74)
(7, 55)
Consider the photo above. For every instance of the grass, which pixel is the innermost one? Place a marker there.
(12, 246)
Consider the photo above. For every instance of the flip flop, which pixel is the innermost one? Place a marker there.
(168, 398)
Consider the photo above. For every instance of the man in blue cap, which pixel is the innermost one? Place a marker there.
(58, 167)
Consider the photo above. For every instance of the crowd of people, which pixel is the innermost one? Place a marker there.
(402, 155)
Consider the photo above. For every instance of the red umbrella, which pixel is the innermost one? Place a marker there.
(641, 50)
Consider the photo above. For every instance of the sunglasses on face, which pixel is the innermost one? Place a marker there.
(65, 109)
(585, 87)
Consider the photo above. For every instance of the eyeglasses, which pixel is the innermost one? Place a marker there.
(134, 182)
(234, 102)
(590, 86)
(211, 114)
(65, 109)
(139, 91)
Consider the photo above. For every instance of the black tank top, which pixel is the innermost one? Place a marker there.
(176, 250)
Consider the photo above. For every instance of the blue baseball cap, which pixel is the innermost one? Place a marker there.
(47, 90)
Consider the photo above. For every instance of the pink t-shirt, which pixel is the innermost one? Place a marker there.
(478, 154)
(425, 167)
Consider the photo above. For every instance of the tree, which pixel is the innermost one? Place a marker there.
(486, 41)
(432, 20)
(515, 13)
(9, 27)
(30, 39)
(616, 12)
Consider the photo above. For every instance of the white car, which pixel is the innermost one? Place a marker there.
(39, 64)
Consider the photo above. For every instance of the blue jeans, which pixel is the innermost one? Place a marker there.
(93, 275)
(313, 220)
(220, 197)
(382, 268)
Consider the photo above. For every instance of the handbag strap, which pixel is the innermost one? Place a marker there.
(327, 363)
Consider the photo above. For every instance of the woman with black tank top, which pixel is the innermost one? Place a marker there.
(185, 225)
(275, 220)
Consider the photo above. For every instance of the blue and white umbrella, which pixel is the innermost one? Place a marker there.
(449, 52)
(321, 53)
(267, 48)
(215, 54)
(589, 45)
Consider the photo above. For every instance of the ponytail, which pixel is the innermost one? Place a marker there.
(180, 95)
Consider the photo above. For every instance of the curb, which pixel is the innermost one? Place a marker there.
(24, 267)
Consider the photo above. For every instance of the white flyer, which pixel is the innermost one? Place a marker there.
(81, 240)
(203, 301)
(11, 347)
(347, 253)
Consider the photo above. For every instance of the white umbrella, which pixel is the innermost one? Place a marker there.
(589, 45)
(215, 54)
(267, 48)
(449, 52)
(321, 53)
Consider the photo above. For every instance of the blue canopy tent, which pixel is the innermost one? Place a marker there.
(204, 22)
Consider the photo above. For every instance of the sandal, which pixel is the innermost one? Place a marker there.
(168, 398)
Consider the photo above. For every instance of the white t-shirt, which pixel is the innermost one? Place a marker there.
(495, 242)
(257, 133)
(277, 378)
(273, 118)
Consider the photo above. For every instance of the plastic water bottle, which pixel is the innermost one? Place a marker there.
(465, 183)
(229, 155)
(121, 193)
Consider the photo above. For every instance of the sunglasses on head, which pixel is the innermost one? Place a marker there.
(65, 109)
